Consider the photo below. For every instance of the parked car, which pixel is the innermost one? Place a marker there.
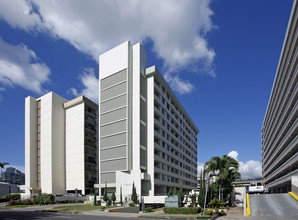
(256, 187)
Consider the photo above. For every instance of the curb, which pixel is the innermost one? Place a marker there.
(248, 210)
(294, 195)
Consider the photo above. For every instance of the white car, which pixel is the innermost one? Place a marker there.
(256, 187)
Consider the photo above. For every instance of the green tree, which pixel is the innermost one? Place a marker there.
(121, 202)
(193, 198)
(113, 198)
(202, 192)
(2, 165)
(226, 169)
(95, 200)
(134, 196)
(181, 194)
(105, 195)
(175, 191)
(170, 193)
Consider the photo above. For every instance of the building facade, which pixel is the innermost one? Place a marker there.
(13, 176)
(280, 126)
(60, 144)
(140, 134)
(146, 137)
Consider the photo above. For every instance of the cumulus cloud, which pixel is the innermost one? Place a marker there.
(179, 85)
(177, 29)
(90, 84)
(19, 66)
(234, 154)
(251, 169)
(200, 167)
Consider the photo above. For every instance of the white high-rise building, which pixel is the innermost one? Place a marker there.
(146, 137)
(60, 144)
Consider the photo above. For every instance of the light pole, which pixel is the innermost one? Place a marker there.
(207, 186)
(76, 190)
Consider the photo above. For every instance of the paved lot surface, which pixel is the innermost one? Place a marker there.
(233, 214)
(274, 205)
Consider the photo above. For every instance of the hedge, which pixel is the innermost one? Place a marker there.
(7, 197)
(182, 210)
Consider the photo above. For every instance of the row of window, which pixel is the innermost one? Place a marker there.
(165, 95)
(171, 179)
(175, 126)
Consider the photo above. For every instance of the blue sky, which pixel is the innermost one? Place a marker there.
(220, 58)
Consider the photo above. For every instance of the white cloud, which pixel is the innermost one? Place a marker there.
(19, 66)
(200, 168)
(177, 29)
(179, 85)
(234, 154)
(251, 169)
(19, 14)
(90, 83)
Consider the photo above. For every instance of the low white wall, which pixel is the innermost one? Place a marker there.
(154, 199)
(239, 196)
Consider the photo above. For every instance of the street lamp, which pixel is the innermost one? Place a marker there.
(76, 190)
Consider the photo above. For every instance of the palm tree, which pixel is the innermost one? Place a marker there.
(193, 198)
(215, 166)
(2, 165)
(226, 169)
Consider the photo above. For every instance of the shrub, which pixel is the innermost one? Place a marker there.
(131, 204)
(148, 209)
(209, 212)
(216, 203)
(45, 199)
(11, 202)
(221, 213)
(182, 210)
(13, 196)
(26, 202)
(102, 208)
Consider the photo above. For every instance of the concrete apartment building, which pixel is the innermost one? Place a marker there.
(60, 144)
(280, 126)
(145, 135)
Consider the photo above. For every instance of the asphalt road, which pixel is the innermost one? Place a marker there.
(29, 215)
(275, 205)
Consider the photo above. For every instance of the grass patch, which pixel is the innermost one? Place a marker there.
(16, 206)
(80, 208)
